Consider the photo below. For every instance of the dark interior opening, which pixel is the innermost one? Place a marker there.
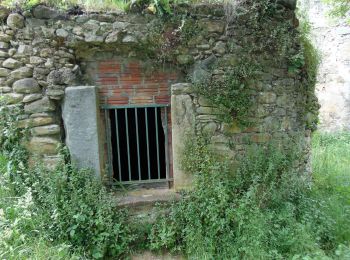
(131, 126)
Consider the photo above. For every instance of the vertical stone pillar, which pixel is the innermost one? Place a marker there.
(81, 123)
(183, 124)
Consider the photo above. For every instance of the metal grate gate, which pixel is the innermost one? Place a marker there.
(138, 144)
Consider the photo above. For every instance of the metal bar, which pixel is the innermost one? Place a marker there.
(138, 144)
(147, 143)
(127, 141)
(148, 181)
(109, 148)
(166, 143)
(157, 141)
(118, 144)
(132, 106)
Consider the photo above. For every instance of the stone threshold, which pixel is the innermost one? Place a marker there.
(146, 197)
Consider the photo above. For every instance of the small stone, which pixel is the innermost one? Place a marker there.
(39, 121)
(45, 12)
(267, 97)
(4, 45)
(27, 86)
(23, 72)
(35, 60)
(56, 94)
(5, 37)
(11, 63)
(15, 21)
(112, 37)
(46, 130)
(32, 97)
(203, 46)
(45, 53)
(5, 90)
(61, 76)
(13, 98)
(62, 33)
(220, 47)
(129, 39)
(12, 52)
(119, 26)
(40, 73)
(43, 145)
(41, 105)
(184, 59)
(3, 54)
(4, 72)
(24, 49)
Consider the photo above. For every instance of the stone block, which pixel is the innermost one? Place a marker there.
(46, 130)
(37, 121)
(13, 98)
(183, 124)
(4, 72)
(32, 97)
(43, 145)
(81, 121)
(41, 105)
(26, 86)
(23, 72)
(11, 63)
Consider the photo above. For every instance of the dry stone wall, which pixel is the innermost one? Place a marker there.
(44, 51)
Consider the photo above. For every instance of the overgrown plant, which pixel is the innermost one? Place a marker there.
(63, 208)
(230, 93)
(263, 210)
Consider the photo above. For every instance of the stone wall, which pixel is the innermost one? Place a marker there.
(137, 59)
(332, 38)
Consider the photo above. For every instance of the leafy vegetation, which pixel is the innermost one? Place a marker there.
(63, 211)
(339, 8)
(265, 209)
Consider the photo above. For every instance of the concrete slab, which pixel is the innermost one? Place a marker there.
(80, 113)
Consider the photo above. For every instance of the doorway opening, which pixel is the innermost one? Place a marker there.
(138, 144)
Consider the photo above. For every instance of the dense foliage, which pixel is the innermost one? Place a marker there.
(265, 209)
(61, 211)
(339, 8)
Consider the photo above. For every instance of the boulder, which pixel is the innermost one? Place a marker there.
(26, 86)
(61, 76)
(11, 63)
(22, 72)
(15, 21)
(45, 12)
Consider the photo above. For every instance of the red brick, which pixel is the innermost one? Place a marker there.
(107, 81)
(130, 79)
(162, 99)
(108, 67)
(141, 100)
(126, 90)
(118, 100)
